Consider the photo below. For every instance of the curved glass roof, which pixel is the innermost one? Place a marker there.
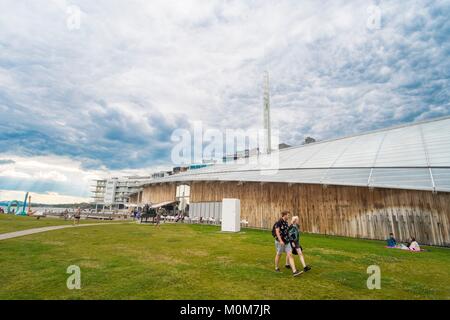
(415, 156)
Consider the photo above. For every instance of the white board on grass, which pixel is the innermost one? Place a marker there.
(231, 215)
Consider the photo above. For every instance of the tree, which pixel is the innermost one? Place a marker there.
(309, 140)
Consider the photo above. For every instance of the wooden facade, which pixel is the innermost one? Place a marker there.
(335, 210)
(159, 193)
(135, 198)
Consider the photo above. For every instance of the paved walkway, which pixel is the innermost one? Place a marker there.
(27, 232)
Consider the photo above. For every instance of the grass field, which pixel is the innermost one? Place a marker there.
(131, 261)
(11, 223)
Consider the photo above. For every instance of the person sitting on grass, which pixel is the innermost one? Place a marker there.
(411, 245)
(280, 233)
(414, 246)
(391, 242)
(294, 237)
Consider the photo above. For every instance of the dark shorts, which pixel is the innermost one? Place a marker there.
(296, 245)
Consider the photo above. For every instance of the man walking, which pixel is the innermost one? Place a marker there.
(159, 211)
(280, 233)
(77, 216)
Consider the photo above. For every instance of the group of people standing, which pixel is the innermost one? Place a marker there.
(159, 213)
(147, 209)
(287, 239)
(76, 215)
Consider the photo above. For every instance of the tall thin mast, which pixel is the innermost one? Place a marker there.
(266, 107)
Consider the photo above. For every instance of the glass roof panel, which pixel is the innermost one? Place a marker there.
(408, 178)
(441, 179)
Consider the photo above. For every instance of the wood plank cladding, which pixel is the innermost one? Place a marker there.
(159, 193)
(335, 210)
(134, 198)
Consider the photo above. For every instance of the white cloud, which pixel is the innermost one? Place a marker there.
(43, 198)
(106, 97)
(52, 174)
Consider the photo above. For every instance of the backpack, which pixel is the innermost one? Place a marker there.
(274, 233)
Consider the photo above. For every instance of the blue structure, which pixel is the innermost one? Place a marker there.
(18, 212)
(198, 166)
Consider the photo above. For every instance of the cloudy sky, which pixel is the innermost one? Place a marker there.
(94, 88)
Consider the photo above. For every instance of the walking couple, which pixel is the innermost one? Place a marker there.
(287, 238)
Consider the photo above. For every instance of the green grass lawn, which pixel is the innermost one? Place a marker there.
(11, 223)
(131, 261)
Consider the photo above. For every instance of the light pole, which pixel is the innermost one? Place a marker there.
(29, 206)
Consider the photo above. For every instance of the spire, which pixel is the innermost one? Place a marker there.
(266, 107)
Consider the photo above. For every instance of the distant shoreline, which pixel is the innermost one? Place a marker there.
(4, 204)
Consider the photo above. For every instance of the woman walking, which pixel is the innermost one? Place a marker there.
(294, 237)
